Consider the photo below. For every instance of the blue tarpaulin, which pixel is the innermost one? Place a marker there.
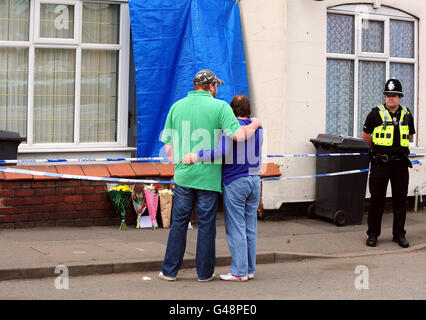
(172, 41)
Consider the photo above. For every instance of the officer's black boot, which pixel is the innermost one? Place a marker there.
(371, 241)
(401, 241)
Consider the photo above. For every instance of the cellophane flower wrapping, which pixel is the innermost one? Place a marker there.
(151, 196)
(139, 203)
(166, 201)
(120, 196)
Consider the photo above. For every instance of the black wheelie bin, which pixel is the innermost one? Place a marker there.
(340, 198)
(9, 142)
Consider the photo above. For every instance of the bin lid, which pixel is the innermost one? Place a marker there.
(340, 141)
(10, 135)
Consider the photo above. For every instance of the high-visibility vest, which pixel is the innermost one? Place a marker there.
(383, 134)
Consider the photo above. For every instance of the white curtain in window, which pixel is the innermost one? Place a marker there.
(56, 21)
(98, 103)
(401, 39)
(372, 78)
(340, 96)
(14, 20)
(373, 36)
(101, 23)
(54, 92)
(340, 33)
(99, 73)
(404, 72)
(14, 89)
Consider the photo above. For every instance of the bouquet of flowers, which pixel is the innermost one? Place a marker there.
(120, 196)
(166, 200)
(139, 204)
(151, 196)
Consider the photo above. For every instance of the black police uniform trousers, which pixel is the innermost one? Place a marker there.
(381, 173)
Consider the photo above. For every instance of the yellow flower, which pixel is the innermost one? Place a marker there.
(124, 188)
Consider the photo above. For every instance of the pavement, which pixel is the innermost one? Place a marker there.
(36, 252)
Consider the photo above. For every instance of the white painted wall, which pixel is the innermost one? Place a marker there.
(285, 47)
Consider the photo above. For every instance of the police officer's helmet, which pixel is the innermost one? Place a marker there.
(393, 86)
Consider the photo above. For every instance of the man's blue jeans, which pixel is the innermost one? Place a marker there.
(241, 199)
(207, 205)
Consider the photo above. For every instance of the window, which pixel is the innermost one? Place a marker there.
(64, 73)
(365, 47)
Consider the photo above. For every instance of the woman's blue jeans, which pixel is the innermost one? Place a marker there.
(241, 199)
(207, 205)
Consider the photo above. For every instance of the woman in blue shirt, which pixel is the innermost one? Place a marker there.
(241, 191)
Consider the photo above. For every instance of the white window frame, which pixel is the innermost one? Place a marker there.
(379, 57)
(77, 22)
(123, 48)
(366, 54)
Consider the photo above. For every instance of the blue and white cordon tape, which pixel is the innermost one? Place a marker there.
(84, 160)
(71, 176)
(122, 180)
(318, 175)
(164, 159)
(417, 190)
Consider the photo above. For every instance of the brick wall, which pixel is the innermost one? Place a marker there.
(27, 201)
(61, 202)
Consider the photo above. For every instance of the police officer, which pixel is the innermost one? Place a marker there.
(388, 129)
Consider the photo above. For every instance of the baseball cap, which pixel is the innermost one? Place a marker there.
(205, 77)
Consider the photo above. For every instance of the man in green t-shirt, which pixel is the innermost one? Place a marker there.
(195, 123)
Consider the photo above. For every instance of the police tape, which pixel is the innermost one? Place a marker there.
(341, 173)
(148, 181)
(303, 155)
(418, 188)
(29, 161)
(76, 177)
(164, 159)
(418, 192)
(414, 162)
(422, 186)
(122, 180)
(417, 162)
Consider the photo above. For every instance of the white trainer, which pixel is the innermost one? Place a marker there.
(208, 279)
(250, 276)
(162, 276)
(231, 277)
